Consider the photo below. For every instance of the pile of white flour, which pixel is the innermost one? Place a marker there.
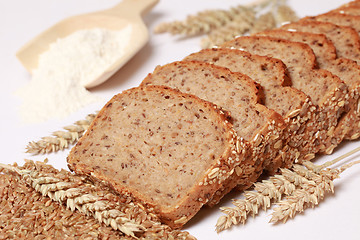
(57, 86)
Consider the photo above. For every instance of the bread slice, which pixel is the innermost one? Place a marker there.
(345, 39)
(326, 90)
(347, 44)
(340, 19)
(237, 93)
(167, 149)
(347, 70)
(293, 105)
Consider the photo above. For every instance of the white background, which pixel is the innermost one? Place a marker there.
(337, 217)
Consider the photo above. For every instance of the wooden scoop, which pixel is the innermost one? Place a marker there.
(116, 18)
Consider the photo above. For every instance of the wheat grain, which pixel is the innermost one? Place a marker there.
(95, 200)
(89, 204)
(26, 214)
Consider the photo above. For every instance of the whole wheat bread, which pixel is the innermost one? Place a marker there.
(326, 90)
(237, 93)
(347, 70)
(347, 44)
(345, 39)
(293, 105)
(340, 19)
(167, 149)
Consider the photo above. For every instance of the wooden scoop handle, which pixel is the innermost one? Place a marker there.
(138, 7)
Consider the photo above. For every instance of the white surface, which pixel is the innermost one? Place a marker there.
(338, 217)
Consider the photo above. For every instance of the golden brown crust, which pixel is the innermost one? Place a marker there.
(348, 70)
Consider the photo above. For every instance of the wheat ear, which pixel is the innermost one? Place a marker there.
(285, 14)
(206, 21)
(60, 139)
(240, 24)
(72, 194)
(78, 194)
(265, 192)
(302, 185)
(309, 194)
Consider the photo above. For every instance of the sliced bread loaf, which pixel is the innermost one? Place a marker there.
(237, 93)
(293, 105)
(167, 149)
(345, 39)
(326, 90)
(346, 69)
(339, 19)
(347, 44)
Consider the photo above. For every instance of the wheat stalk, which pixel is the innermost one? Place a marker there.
(246, 22)
(223, 25)
(308, 195)
(264, 193)
(285, 14)
(206, 21)
(264, 22)
(241, 24)
(61, 139)
(78, 194)
(302, 186)
(73, 195)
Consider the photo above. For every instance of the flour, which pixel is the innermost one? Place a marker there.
(57, 86)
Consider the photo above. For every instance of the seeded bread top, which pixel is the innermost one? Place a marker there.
(345, 39)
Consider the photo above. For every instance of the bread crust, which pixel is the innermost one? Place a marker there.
(345, 62)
